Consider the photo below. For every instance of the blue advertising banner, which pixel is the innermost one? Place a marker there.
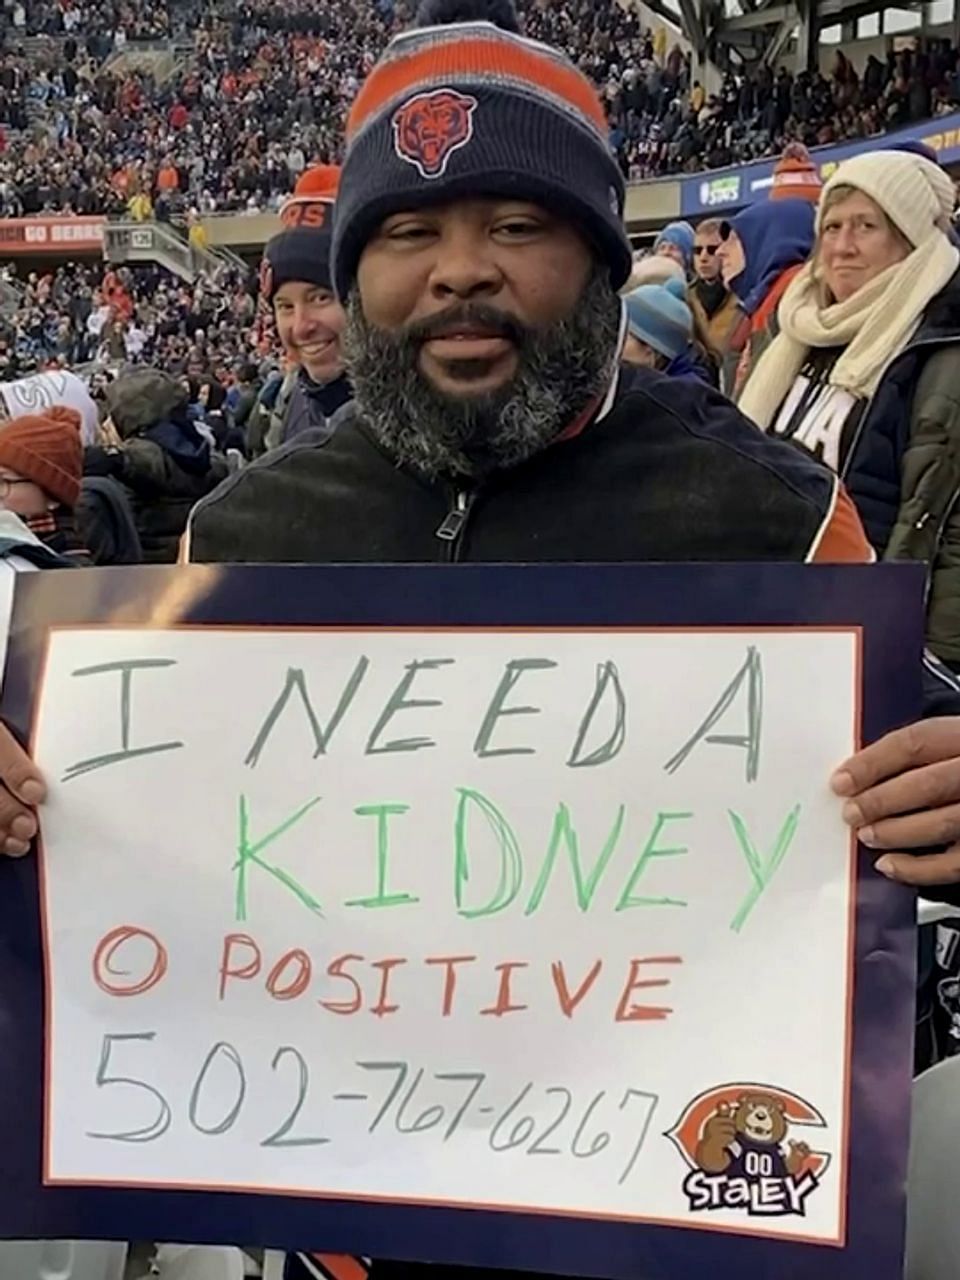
(487, 916)
(723, 190)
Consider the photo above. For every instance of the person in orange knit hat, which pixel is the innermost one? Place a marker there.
(795, 176)
(41, 467)
(311, 204)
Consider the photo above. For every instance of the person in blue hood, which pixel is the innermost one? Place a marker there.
(150, 445)
(762, 249)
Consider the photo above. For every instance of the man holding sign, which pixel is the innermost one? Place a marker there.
(494, 423)
(478, 249)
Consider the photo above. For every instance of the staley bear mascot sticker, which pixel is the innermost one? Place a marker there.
(741, 1145)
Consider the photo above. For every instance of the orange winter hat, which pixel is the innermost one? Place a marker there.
(45, 448)
(313, 197)
(795, 176)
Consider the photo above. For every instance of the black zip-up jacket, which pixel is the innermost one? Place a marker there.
(668, 471)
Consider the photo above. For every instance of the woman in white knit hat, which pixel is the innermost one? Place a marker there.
(865, 371)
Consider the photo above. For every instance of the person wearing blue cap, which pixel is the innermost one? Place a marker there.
(676, 241)
(660, 332)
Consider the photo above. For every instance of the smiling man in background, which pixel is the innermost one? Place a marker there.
(295, 281)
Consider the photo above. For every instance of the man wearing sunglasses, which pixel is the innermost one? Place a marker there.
(713, 305)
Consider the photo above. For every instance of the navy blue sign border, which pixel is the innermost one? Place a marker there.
(883, 600)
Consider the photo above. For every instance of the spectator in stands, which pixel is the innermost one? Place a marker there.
(156, 321)
(762, 250)
(207, 409)
(864, 370)
(676, 241)
(795, 176)
(712, 303)
(660, 332)
(242, 395)
(41, 464)
(156, 453)
(296, 282)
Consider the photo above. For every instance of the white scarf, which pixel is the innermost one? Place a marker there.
(873, 326)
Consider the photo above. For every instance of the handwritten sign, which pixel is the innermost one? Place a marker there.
(512, 920)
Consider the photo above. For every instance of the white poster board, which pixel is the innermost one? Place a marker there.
(536, 920)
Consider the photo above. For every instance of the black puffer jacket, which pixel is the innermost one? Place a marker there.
(165, 468)
(164, 462)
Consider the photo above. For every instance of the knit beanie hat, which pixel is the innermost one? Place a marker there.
(658, 315)
(313, 198)
(302, 250)
(46, 449)
(918, 197)
(795, 176)
(683, 236)
(466, 107)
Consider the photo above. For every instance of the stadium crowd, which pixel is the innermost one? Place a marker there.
(477, 369)
(265, 91)
(90, 314)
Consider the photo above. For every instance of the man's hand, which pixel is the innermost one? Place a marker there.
(903, 792)
(22, 789)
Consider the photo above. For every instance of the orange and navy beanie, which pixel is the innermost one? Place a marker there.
(301, 251)
(314, 196)
(463, 106)
(795, 176)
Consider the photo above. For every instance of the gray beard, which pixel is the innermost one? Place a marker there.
(561, 370)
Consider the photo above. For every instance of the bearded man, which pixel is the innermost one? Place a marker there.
(478, 249)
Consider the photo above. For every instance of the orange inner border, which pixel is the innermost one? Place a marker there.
(423, 1202)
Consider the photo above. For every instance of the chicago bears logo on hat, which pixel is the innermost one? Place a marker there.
(428, 128)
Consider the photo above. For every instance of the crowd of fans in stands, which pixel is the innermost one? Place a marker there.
(264, 95)
(266, 91)
(84, 314)
(659, 131)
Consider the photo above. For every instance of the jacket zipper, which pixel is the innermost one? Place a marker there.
(453, 524)
(919, 525)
